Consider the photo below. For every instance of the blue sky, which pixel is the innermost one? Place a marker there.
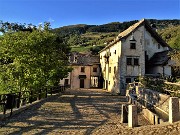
(68, 12)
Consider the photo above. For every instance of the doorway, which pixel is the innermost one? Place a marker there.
(94, 81)
(81, 83)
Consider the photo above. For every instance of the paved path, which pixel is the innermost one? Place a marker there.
(82, 112)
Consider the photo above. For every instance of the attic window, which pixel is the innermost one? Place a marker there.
(83, 69)
(94, 69)
(132, 45)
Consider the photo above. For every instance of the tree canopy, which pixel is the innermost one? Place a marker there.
(32, 59)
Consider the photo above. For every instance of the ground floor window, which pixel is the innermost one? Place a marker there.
(131, 79)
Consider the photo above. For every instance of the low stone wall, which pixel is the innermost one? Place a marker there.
(154, 105)
(152, 117)
(153, 98)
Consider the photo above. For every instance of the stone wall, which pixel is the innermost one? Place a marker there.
(152, 98)
(156, 102)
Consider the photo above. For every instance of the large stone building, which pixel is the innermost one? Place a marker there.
(86, 71)
(135, 52)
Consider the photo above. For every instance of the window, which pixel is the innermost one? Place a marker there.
(66, 82)
(159, 46)
(136, 61)
(109, 69)
(94, 69)
(132, 45)
(129, 61)
(75, 59)
(83, 69)
(109, 54)
(114, 69)
(115, 52)
(128, 80)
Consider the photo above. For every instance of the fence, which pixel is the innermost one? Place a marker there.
(16, 100)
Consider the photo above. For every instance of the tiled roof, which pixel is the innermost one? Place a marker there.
(132, 28)
(84, 59)
(159, 58)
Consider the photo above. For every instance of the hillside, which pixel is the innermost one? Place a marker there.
(171, 35)
(93, 38)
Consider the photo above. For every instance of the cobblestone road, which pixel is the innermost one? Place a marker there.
(82, 112)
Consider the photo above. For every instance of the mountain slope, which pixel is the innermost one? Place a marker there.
(84, 37)
(171, 35)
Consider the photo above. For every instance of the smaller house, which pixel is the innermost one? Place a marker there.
(86, 71)
(160, 63)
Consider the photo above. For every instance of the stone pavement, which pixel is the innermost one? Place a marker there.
(80, 112)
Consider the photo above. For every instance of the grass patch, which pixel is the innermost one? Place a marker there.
(80, 48)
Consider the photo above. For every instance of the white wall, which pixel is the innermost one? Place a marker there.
(133, 71)
(75, 81)
(112, 77)
(63, 80)
(151, 45)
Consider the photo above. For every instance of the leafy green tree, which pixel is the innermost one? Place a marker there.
(32, 60)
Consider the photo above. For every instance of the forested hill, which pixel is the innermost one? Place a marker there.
(93, 38)
(171, 35)
(111, 27)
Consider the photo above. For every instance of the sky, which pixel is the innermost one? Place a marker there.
(69, 12)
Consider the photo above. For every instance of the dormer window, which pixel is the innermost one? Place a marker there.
(132, 38)
(75, 59)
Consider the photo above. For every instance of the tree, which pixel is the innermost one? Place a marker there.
(32, 60)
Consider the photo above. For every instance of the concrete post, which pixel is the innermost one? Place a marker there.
(132, 116)
(137, 89)
(124, 114)
(174, 113)
(146, 100)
